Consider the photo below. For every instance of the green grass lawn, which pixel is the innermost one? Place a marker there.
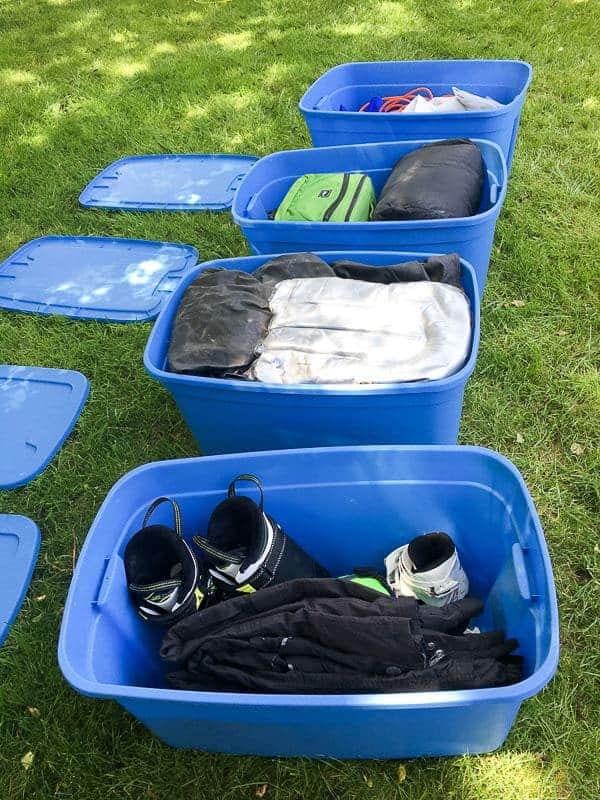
(83, 83)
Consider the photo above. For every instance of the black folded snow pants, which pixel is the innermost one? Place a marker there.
(327, 635)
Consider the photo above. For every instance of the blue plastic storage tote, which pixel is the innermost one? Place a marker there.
(351, 85)
(345, 506)
(268, 181)
(230, 416)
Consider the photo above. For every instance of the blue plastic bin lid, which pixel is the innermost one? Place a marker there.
(19, 546)
(186, 182)
(38, 409)
(89, 277)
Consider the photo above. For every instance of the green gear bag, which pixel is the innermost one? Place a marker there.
(328, 197)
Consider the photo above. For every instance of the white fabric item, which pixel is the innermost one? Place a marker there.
(336, 330)
(473, 102)
(440, 105)
(436, 587)
(461, 101)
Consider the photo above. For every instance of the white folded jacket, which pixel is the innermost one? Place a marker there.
(335, 330)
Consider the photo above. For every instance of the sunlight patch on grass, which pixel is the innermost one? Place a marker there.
(221, 106)
(235, 41)
(235, 100)
(278, 75)
(85, 21)
(399, 16)
(591, 103)
(123, 37)
(586, 388)
(351, 28)
(18, 77)
(235, 140)
(515, 776)
(274, 35)
(192, 16)
(128, 69)
(163, 48)
(36, 140)
(55, 109)
(196, 112)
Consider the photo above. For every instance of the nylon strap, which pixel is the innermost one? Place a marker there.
(221, 555)
(252, 479)
(176, 513)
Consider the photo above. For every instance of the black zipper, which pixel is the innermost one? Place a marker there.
(354, 198)
(338, 199)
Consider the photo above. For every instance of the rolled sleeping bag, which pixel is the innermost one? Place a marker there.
(442, 180)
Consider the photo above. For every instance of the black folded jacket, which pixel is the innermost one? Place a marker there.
(443, 269)
(221, 319)
(436, 181)
(294, 265)
(333, 636)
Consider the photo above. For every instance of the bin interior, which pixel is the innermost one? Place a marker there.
(352, 85)
(347, 507)
(156, 354)
(354, 96)
(264, 188)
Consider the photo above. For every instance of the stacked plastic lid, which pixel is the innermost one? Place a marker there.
(19, 546)
(168, 182)
(38, 409)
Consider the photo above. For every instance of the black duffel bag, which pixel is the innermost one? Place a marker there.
(441, 180)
